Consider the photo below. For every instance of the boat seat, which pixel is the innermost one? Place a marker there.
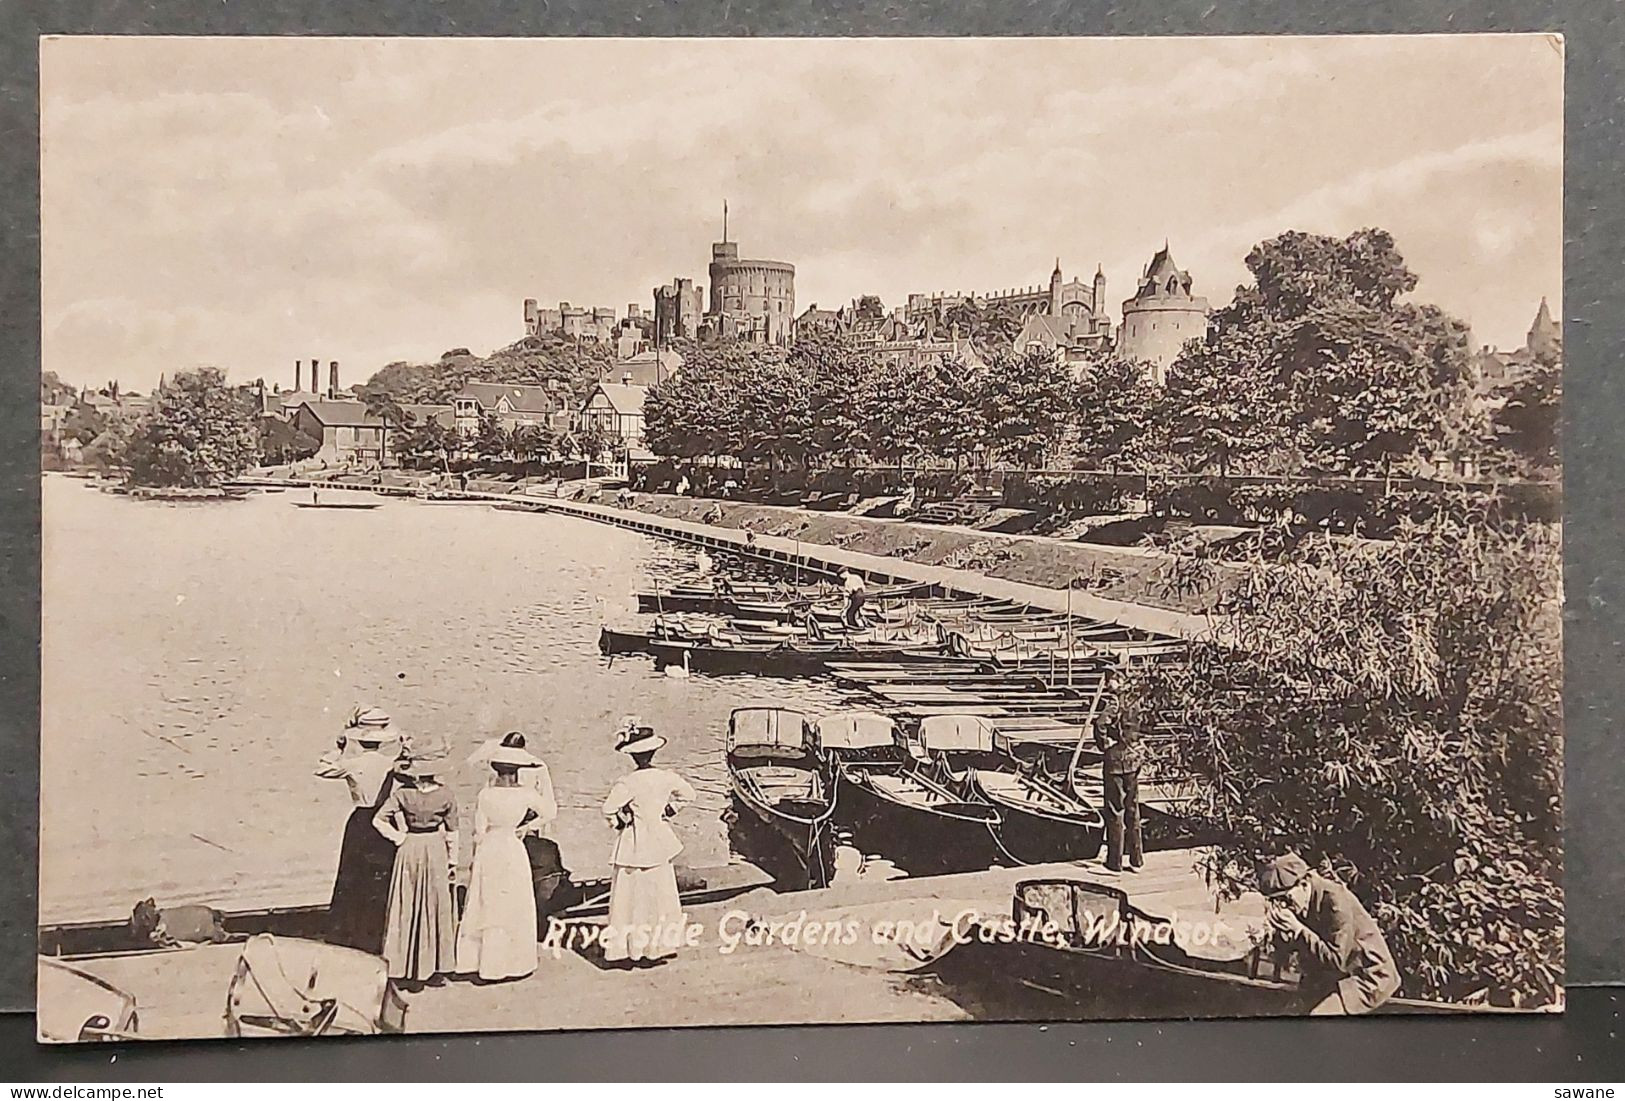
(785, 782)
(768, 753)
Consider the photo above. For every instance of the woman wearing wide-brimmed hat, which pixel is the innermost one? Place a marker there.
(364, 757)
(645, 913)
(420, 819)
(497, 936)
(550, 878)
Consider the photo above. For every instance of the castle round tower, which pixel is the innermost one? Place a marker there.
(1161, 317)
(750, 299)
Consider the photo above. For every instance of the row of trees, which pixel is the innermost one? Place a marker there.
(1318, 364)
(820, 402)
(539, 361)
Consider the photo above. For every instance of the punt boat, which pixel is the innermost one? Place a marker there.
(1039, 820)
(1104, 958)
(776, 777)
(913, 817)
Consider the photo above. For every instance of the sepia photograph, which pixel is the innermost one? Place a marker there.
(555, 534)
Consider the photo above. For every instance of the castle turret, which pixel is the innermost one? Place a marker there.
(1545, 335)
(1162, 315)
(1100, 289)
(1055, 290)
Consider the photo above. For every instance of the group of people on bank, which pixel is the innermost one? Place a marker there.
(394, 894)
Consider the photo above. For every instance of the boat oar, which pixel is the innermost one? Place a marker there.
(1083, 732)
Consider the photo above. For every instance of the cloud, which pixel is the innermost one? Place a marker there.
(258, 200)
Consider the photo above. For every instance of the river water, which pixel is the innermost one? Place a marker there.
(198, 658)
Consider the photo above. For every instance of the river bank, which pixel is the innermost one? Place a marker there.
(752, 959)
(1131, 574)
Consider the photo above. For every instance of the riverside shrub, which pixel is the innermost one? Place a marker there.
(1393, 712)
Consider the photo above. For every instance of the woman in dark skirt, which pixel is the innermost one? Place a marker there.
(364, 758)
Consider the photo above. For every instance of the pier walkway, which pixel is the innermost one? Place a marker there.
(827, 559)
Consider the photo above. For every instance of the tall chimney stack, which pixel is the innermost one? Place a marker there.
(298, 372)
(333, 379)
(315, 383)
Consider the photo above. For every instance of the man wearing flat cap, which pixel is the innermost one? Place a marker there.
(1117, 734)
(1347, 968)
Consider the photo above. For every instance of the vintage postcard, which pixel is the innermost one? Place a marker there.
(560, 534)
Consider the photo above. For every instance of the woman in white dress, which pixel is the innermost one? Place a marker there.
(645, 914)
(497, 936)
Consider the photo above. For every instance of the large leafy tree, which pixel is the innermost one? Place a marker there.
(891, 401)
(383, 405)
(490, 439)
(531, 443)
(836, 374)
(1025, 405)
(426, 443)
(1218, 408)
(776, 414)
(699, 411)
(1318, 361)
(1527, 425)
(1116, 410)
(197, 433)
(949, 412)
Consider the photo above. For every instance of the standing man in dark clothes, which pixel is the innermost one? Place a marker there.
(1119, 738)
(1347, 968)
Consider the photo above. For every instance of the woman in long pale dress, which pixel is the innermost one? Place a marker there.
(364, 758)
(420, 937)
(645, 914)
(497, 936)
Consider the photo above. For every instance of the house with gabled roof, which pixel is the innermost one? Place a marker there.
(350, 433)
(615, 409)
(512, 404)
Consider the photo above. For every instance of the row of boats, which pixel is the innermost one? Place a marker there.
(948, 793)
(968, 744)
(757, 628)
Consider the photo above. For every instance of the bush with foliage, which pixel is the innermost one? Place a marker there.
(1393, 712)
(198, 433)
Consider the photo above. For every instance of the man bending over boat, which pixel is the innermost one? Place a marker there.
(852, 584)
(1347, 968)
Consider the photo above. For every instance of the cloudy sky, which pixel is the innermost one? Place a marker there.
(250, 202)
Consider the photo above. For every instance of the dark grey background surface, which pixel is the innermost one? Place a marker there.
(1596, 603)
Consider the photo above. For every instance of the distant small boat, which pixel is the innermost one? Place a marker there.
(337, 504)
